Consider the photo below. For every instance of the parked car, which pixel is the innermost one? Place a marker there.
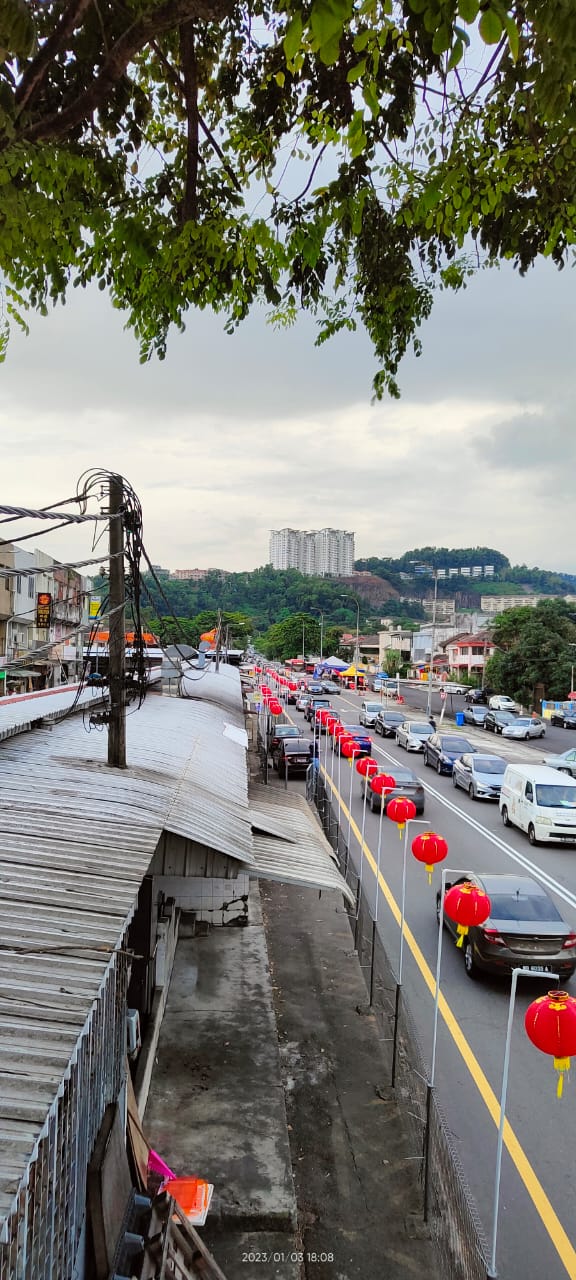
(494, 721)
(330, 686)
(412, 734)
(564, 763)
(302, 701)
(535, 799)
(564, 719)
(293, 756)
(315, 688)
(475, 714)
(501, 702)
(407, 784)
(387, 722)
(360, 736)
(524, 727)
(368, 712)
(480, 776)
(318, 722)
(442, 749)
(315, 703)
(478, 696)
(292, 697)
(281, 731)
(452, 686)
(524, 929)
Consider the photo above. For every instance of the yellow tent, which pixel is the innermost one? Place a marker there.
(350, 673)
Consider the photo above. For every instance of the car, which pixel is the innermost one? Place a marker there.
(368, 713)
(318, 722)
(481, 776)
(412, 734)
(291, 697)
(387, 722)
(475, 714)
(452, 686)
(564, 719)
(478, 696)
(281, 731)
(501, 702)
(524, 727)
(494, 721)
(293, 756)
(360, 736)
(315, 688)
(330, 686)
(302, 701)
(564, 763)
(407, 784)
(315, 703)
(442, 749)
(524, 929)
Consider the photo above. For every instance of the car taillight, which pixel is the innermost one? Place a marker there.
(492, 935)
(570, 941)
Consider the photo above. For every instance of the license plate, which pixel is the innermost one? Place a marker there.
(540, 968)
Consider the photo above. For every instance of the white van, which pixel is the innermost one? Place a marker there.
(534, 799)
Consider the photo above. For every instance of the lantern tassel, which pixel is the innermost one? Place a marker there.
(401, 826)
(462, 930)
(561, 1065)
(429, 868)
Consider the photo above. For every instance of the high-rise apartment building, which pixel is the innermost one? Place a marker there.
(324, 552)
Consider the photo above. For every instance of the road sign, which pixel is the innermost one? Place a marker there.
(442, 695)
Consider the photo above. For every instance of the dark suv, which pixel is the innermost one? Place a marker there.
(293, 756)
(494, 721)
(478, 695)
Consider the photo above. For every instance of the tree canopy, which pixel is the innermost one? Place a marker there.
(344, 156)
(534, 647)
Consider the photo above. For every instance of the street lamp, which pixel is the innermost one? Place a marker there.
(571, 646)
(356, 650)
(432, 646)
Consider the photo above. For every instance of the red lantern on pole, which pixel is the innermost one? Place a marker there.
(274, 707)
(467, 904)
(429, 848)
(401, 810)
(550, 1024)
(383, 782)
(331, 722)
(324, 716)
(349, 748)
(367, 766)
(340, 731)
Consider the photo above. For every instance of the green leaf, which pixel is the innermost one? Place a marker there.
(293, 37)
(468, 10)
(356, 73)
(513, 36)
(490, 27)
(456, 54)
(442, 39)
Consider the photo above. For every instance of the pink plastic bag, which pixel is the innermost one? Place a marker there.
(158, 1166)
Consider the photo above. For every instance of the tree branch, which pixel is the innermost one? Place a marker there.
(190, 70)
(36, 71)
(179, 84)
(150, 24)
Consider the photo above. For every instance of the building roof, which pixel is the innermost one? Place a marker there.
(289, 845)
(19, 713)
(483, 638)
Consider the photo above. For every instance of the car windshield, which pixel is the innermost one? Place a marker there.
(372, 706)
(556, 797)
(455, 744)
(287, 731)
(420, 728)
(506, 717)
(297, 747)
(355, 728)
(525, 723)
(391, 717)
(490, 766)
(523, 906)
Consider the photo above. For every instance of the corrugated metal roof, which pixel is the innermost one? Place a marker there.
(18, 714)
(289, 844)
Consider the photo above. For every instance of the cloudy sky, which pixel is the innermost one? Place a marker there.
(231, 436)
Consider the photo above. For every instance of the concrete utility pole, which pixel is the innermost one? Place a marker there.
(117, 640)
(432, 646)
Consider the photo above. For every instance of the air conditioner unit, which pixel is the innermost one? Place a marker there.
(133, 1035)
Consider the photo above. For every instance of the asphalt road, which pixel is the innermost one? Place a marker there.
(556, 740)
(537, 1234)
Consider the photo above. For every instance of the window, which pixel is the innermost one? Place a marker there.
(477, 649)
(31, 588)
(464, 649)
(19, 583)
(528, 792)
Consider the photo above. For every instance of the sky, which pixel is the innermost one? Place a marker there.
(232, 436)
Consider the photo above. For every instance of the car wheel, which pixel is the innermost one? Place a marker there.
(505, 818)
(438, 767)
(454, 781)
(471, 791)
(526, 736)
(438, 899)
(371, 804)
(470, 965)
(426, 760)
(564, 771)
(532, 835)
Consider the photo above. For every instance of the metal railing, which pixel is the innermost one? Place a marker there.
(451, 1211)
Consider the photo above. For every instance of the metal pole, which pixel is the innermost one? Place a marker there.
(418, 822)
(356, 930)
(117, 638)
(432, 646)
(357, 642)
(321, 636)
(350, 802)
(516, 973)
(375, 921)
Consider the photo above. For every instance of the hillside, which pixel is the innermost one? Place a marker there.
(507, 579)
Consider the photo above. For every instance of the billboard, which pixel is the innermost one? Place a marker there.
(43, 609)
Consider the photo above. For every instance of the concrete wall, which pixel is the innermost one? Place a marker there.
(214, 899)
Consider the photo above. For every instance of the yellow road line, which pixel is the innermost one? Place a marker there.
(541, 1202)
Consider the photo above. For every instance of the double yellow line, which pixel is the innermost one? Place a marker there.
(541, 1202)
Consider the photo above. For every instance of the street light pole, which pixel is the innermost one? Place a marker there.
(321, 636)
(432, 646)
(357, 643)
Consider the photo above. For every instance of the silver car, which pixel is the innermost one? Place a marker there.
(480, 776)
(368, 713)
(524, 727)
(412, 734)
(565, 762)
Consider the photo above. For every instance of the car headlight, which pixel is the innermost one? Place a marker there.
(545, 822)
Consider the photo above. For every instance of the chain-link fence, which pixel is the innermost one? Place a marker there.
(446, 1198)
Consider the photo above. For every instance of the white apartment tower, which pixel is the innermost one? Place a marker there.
(324, 552)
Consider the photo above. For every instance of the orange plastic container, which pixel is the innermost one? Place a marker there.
(192, 1194)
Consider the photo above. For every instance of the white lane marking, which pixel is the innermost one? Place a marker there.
(522, 861)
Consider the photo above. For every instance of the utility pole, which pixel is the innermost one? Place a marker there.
(117, 640)
(432, 646)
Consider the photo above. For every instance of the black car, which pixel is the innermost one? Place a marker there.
(329, 686)
(524, 929)
(293, 756)
(478, 696)
(442, 749)
(494, 721)
(407, 784)
(316, 703)
(563, 719)
(281, 731)
(386, 723)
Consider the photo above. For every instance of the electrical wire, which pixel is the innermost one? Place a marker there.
(7, 571)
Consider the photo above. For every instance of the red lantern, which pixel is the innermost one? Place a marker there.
(323, 716)
(467, 904)
(367, 766)
(429, 849)
(550, 1024)
(340, 731)
(274, 707)
(293, 687)
(331, 722)
(383, 782)
(349, 748)
(401, 810)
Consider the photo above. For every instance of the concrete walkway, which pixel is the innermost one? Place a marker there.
(269, 1083)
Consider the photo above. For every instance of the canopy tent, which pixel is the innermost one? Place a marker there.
(334, 664)
(350, 673)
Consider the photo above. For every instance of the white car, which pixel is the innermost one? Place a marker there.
(524, 727)
(564, 763)
(368, 713)
(452, 686)
(412, 734)
(500, 702)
